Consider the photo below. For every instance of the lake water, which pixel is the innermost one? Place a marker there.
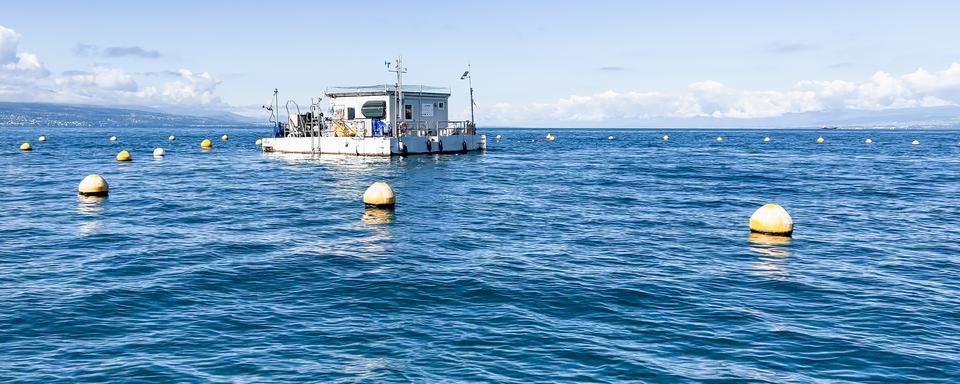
(578, 260)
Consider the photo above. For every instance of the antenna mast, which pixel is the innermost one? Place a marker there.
(467, 75)
(276, 103)
(470, 82)
(400, 111)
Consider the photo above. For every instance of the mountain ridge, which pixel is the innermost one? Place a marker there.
(27, 114)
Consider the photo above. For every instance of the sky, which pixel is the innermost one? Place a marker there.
(534, 63)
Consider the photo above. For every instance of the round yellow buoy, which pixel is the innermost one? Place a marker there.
(93, 185)
(820, 140)
(206, 144)
(915, 142)
(499, 137)
(259, 142)
(26, 147)
(868, 141)
(551, 137)
(665, 138)
(719, 138)
(224, 137)
(610, 137)
(159, 152)
(113, 138)
(124, 156)
(379, 194)
(172, 138)
(771, 219)
(42, 138)
(766, 139)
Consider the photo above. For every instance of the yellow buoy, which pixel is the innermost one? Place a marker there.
(26, 147)
(93, 185)
(766, 139)
(665, 138)
(159, 152)
(259, 142)
(172, 138)
(915, 142)
(821, 139)
(719, 138)
(224, 137)
(379, 194)
(42, 138)
(551, 137)
(206, 144)
(124, 156)
(113, 138)
(868, 141)
(771, 219)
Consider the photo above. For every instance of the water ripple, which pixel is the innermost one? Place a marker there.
(579, 260)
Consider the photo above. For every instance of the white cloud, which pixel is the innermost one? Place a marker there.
(709, 98)
(14, 63)
(8, 45)
(117, 87)
(110, 79)
(112, 52)
(188, 88)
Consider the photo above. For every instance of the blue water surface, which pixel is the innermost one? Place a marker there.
(578, 260)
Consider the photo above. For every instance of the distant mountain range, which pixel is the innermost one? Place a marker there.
(13, 114)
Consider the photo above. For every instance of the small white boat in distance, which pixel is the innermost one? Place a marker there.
(368, 121)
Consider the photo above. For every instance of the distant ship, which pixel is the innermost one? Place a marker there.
(826, 127)
(379, 120)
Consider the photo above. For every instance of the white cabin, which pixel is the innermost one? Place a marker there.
(424, 108)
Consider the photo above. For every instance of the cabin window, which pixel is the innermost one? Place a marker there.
(408, 112)
(440, 105)
(351, 113)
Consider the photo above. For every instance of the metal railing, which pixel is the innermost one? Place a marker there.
(441, 128)
(298, 126)
(328, 127)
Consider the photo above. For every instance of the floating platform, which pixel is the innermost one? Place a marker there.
(377, 146)
(375, 120)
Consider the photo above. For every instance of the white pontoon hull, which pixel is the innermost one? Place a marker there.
(376, 146)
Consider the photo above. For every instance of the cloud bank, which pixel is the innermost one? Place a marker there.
(114, 86)
(709, 98)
